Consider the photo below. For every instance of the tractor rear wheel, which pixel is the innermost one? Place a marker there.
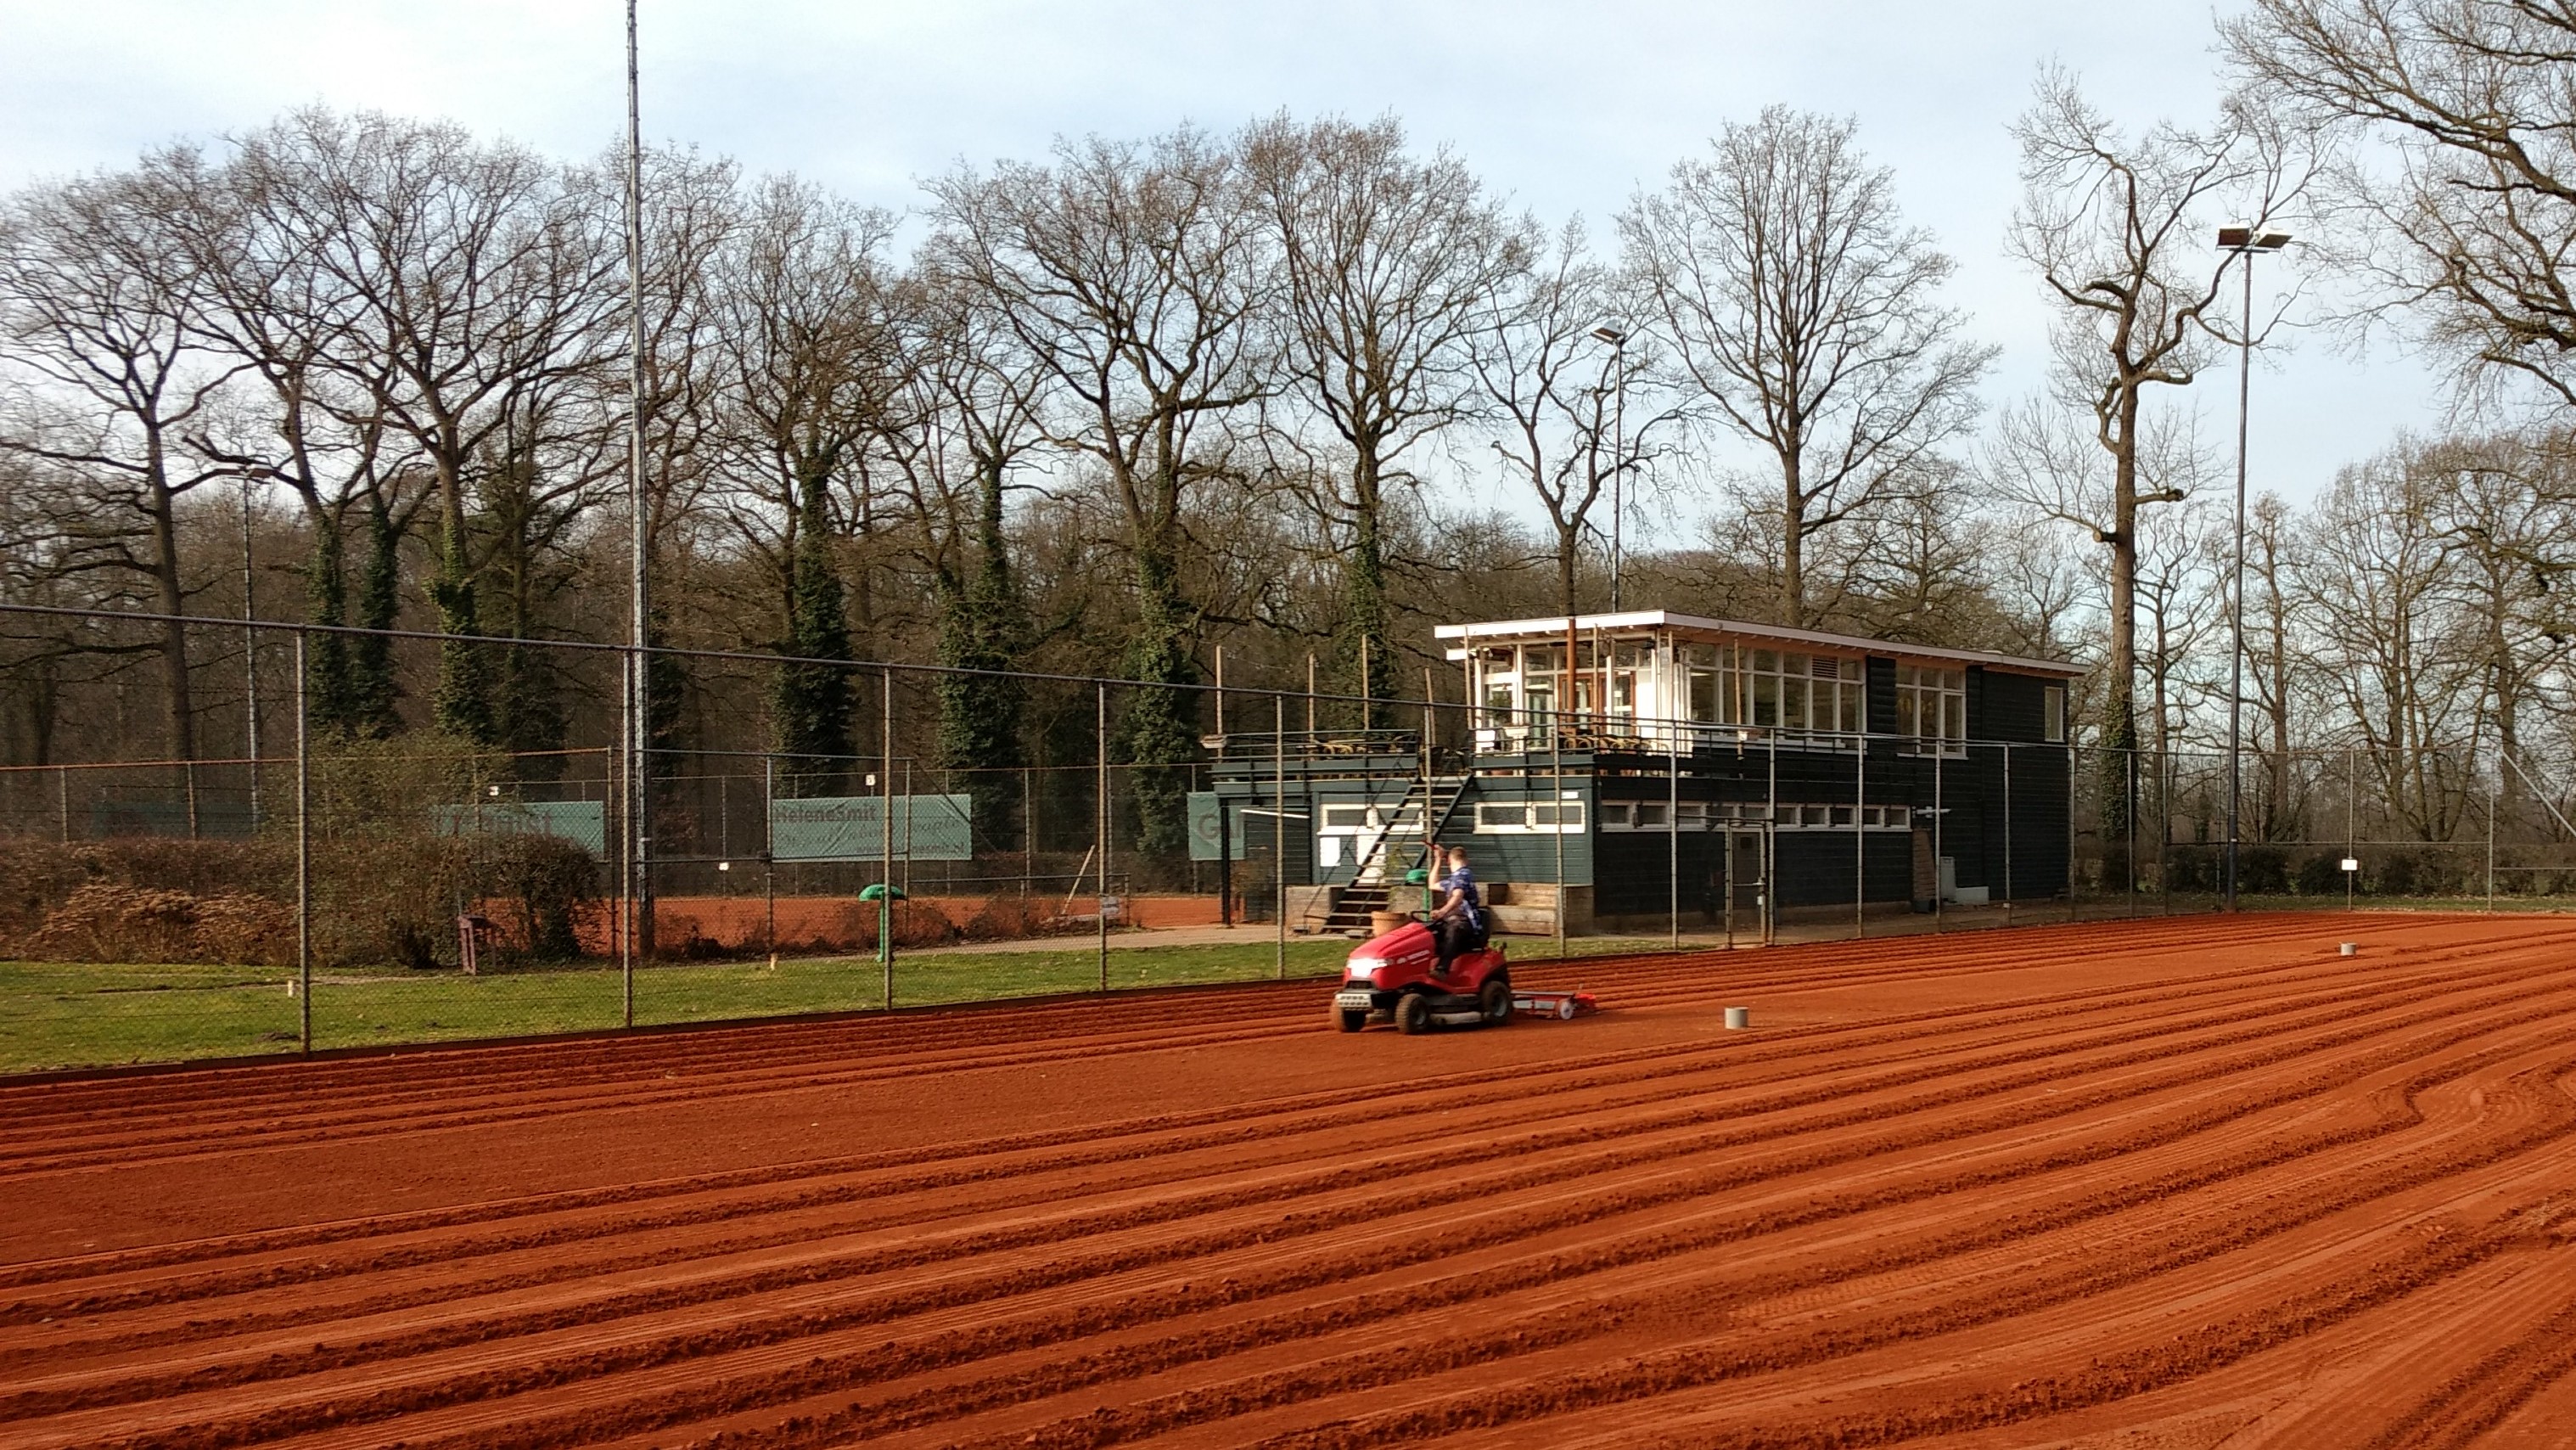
(1412, 1014)
(1496, 1000)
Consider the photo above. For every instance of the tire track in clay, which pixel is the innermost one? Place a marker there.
(2079, 1169)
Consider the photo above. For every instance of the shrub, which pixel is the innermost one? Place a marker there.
(2192, 867)
(107, 922)
(2261, 871)
(542, 885)
(1017, 917)
(2398, 874)
(2321, 875)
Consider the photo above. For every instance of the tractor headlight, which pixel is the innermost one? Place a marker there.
(1364, 969)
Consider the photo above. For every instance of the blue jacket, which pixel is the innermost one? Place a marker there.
(1464, 880)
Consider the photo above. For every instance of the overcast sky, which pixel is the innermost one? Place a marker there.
(1567, 107)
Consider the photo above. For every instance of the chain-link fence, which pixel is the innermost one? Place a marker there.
(356, 857)
(2320, 827)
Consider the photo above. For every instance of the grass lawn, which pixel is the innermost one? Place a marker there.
(60, 1015)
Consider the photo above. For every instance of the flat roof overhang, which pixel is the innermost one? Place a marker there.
(1542, 631)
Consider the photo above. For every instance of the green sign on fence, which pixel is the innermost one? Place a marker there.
(584, 823)
(852, 828)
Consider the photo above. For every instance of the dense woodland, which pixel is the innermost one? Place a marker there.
(1109, 410)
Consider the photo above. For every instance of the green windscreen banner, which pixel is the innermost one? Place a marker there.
(584, 823)
(853, 828)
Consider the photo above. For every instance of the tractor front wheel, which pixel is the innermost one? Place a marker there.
(1496, 1000)
(1412, 1015)
(1349, 1020)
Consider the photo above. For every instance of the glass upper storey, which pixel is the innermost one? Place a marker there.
(1654, 683)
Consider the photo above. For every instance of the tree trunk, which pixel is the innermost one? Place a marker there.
(372, 691)
(171, 598)
(981, 628)
(813, 702)
(1364, 632)
(2119, 695)
(1793, 542)
(1157, 730)
(1568, 539)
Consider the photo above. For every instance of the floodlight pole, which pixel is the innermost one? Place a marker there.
(2244, 243)
(1618, 341)
(639, 691)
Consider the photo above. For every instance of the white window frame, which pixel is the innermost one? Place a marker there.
(1835, 819)
(1941, 691)
(2052, 714)
(1519, 818)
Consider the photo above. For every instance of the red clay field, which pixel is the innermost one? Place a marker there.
(2182, 1183)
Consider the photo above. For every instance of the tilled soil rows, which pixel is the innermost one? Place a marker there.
(2168, 1183)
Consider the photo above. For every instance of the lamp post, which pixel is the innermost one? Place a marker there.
(1618, 434)
(2245, 243)
(638, 703)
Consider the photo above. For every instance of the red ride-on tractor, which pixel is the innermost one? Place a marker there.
(1394, 975)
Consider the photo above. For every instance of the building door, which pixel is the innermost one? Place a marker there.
(1745, 882)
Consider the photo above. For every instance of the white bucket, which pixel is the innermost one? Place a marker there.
(2352, 949)
(1738, 1017)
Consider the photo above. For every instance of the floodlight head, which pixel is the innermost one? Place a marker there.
(1611, 335)
(2247, 239)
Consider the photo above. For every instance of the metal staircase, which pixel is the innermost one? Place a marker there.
(1379, 876)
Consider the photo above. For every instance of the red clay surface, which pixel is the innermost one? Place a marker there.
(2159, 1184)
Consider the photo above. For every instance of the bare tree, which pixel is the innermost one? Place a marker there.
(1551, 389)
(301, 421)
(2114, 224)
(1388, 266)
(2271, 647)
(105, 375)
(970, 430)
(1799, 303)
(1914, 567)
(1140, 278)
(2504, 507)
(475, 273)
(2471, 227)
(813, 364)
(2377, 568)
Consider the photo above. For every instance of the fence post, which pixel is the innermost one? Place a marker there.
(1556, 807)
(2495, 798)
(1100, 822)
(769, 851)
(1672, 810)
(885, 863)
(2008, 835)
(628, 909)
(303, 857)
(2129, 858)
(1860, 837)
(2074, 762)
(1279, 823)
(2164, 828)
(63, 802)
(1937, 760)
(1771, 841)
